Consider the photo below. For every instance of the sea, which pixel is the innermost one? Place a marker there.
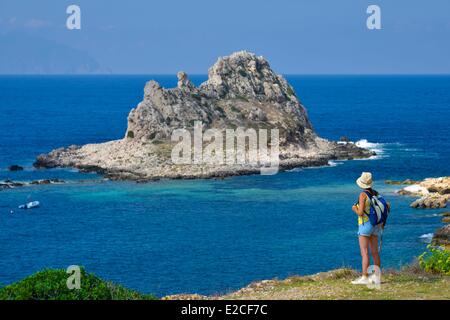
(214, 236)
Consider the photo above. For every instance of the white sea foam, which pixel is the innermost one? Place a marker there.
(383, 150)
(295, 170)
(433, 215)
(378, 148)
(331, 163)
(427, 237)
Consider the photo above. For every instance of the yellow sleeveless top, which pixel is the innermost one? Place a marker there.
(365, 217)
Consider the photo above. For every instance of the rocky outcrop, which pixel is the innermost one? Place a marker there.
(437, 185)
(242, 91)
(434, 193)
(9, 184)
(442, 236)
(431, 201)
(15, 167)
(399, 182)
(446, 217)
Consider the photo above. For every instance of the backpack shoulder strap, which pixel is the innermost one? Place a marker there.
(370, 200)
(368, 194)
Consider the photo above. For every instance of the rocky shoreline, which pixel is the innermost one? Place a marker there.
(64, 158)
(433, 193)
(242, 91)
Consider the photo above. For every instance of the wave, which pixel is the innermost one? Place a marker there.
(427, 237)
(433, 215)
(382, 150)
(331, 163)
(378, 148)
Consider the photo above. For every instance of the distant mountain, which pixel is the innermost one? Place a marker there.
(22, 53)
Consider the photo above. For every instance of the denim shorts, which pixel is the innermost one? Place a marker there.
(367, 229)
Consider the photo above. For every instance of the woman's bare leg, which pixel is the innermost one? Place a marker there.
(364, 248)
(373, 244)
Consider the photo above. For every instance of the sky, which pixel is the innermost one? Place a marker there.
(163, 37)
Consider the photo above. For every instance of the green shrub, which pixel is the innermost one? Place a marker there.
(435, 260)
(239, 97)
(50, 284)
(290, 91)
(130, 134)
(235, 109)
(220, 109)
(242, 73)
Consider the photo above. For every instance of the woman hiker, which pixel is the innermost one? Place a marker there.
(367, 233)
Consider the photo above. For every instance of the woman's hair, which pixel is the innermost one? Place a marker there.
(372, 191)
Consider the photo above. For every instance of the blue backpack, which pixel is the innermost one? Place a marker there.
(379, 209)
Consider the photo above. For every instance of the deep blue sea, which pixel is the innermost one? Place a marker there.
(213, 236)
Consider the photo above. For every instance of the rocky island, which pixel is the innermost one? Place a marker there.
(242, 91)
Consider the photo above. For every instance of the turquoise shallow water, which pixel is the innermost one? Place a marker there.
(211, 236)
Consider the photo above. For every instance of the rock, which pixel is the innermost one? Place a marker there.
(414, 190)
(433, 192)
(442, 236)
(47, 181)
(394, 182)
(440, 185)
(9, 184)
(432, 201)
(52, 160)
(15, 167)
(185, 296)
(183, 82)
(409, 181)
(256, 114)
(398, 182)
(241, 91)
(446, 219)
(344, 139)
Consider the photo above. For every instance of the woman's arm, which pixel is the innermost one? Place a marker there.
(359, 210)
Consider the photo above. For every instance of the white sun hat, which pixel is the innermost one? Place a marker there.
(365, 181)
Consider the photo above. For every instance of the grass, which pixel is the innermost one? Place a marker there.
(335, 285)
(235, 109)
(290, 91)
(164, 149)
(50, 284)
